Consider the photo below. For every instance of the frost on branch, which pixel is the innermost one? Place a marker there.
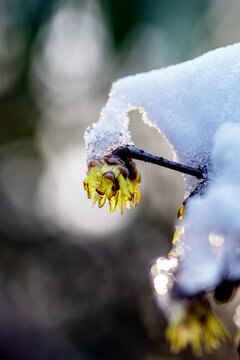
(196, 106)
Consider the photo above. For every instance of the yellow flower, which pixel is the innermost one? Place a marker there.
(114, 180)
(198, 327)
(179, 229)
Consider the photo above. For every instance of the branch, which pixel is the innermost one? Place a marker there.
(135, 153)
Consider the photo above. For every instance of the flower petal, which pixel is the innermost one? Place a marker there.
(137, 196)
(113, 202)
(124, 188)
(95, 199)
(102, 200)
(120, 202)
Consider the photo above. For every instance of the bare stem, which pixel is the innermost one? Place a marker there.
(138, 154)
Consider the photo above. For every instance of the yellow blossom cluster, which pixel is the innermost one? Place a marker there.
(113, 180)
(197, 327)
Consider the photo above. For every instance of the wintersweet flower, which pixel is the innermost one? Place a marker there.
(114, 180)
(196, 326)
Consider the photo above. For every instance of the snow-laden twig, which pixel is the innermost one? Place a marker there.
(139, 154)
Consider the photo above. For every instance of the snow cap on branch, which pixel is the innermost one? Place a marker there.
(196, 106)
(186, 102)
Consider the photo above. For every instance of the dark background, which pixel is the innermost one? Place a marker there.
(74, 280)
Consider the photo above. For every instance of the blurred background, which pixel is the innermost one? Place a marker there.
(74, 280)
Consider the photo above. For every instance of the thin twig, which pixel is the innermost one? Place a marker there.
(138, 154)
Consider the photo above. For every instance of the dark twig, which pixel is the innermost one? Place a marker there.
(135, 153)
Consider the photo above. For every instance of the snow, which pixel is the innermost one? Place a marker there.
(214, 234)
(196, 106)
(186, 102)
